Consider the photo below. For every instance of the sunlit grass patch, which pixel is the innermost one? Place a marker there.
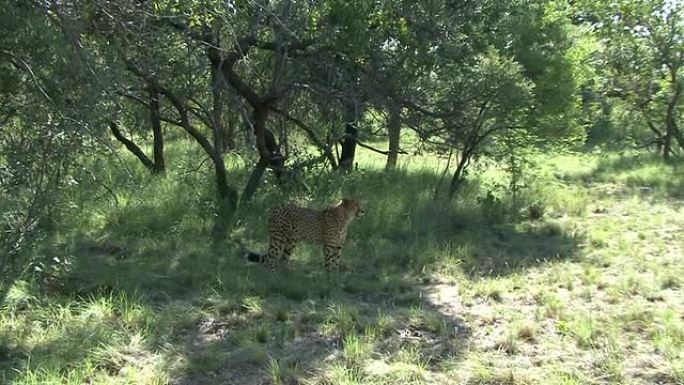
(644, 173)
(667, 333)
(551, 305)
(102, 337)
(491, 289)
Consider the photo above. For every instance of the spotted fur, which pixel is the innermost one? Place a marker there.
(291, 225)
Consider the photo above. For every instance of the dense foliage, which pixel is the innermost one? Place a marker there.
(290, 87)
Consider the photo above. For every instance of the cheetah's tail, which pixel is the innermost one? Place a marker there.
(254, 257)
(248, 254)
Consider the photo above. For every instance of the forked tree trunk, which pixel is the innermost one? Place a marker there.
(157, 164)
(131, 146)
(269, 154)
(459, 175)
(226, 196)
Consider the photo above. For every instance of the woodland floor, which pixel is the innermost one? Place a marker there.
(588, 290)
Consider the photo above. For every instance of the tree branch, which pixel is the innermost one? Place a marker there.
(377, 150)
(133, 97)
(311, 134)
(179, 105)
(131, 146)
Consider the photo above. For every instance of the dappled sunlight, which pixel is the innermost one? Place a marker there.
(516, 168)
(104, 335)
(634, 174)
(429, 292)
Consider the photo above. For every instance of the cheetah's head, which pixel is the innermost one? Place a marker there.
(353, 206)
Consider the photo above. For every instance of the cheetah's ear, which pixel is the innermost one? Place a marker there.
(347, 202)
(351, 202)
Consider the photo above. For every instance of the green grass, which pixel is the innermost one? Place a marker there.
(577, 282)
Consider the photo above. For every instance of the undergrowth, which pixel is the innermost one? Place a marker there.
(576, 281)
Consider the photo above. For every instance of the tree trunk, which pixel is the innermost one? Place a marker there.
(441, 178)
(227, 199)
(217, 112)
(229, 133)
(269, 154)
(459, 176)
(672, 109)
(672, 131)
(351, 132)
(157, 165)
(268, 147)
(276, 160)
(222, 141)
(253, 182)
(394, 133)
(667, 144)
(158, 137)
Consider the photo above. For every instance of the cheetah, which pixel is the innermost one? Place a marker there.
(290, 225)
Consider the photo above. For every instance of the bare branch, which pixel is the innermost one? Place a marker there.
(131, 146)
(18, 63)
(311, 134)
(179, 105)
(377, 150)
(133, 97)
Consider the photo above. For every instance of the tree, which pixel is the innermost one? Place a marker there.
(472, 106)
(292, 75)
(46, 123)
(642, 60)
(157, 164)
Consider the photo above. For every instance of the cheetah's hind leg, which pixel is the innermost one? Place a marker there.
(332, 258)
(288, 248)
(276, 253)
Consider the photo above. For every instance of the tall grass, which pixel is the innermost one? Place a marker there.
(139, 292)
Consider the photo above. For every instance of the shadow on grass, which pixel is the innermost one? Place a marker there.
(412, 233)
(638, 173)
(216, 319)
(507, 249)
(224, 321)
